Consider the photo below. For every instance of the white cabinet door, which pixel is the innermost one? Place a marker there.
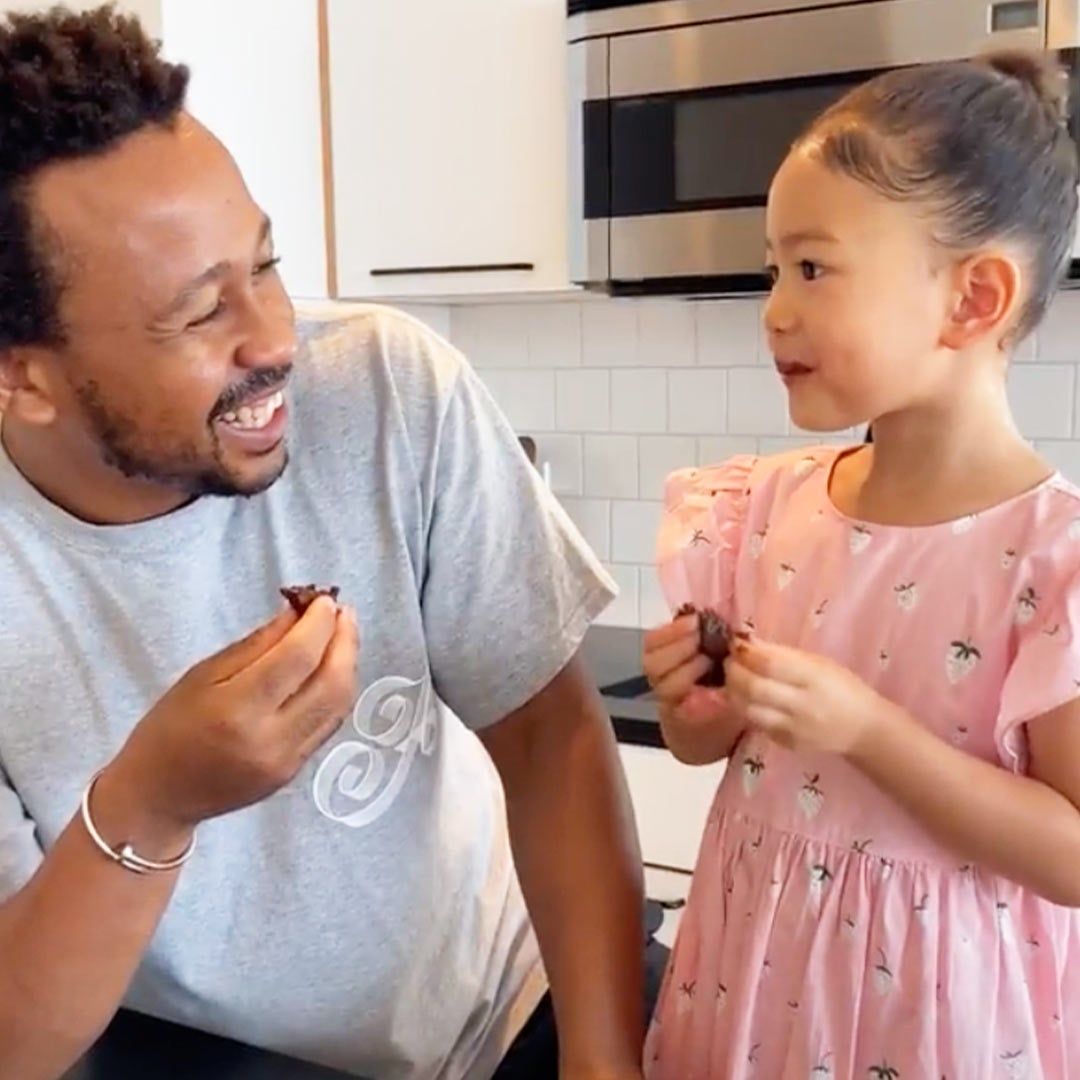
(449, 145)
(671, 803)
(255, 84)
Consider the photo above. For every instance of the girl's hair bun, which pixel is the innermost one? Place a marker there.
(1039, 72)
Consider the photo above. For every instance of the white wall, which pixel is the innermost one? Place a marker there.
(619, 393)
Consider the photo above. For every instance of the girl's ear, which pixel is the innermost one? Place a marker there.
(987, 293)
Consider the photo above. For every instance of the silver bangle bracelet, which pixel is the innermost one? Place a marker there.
(125, 855)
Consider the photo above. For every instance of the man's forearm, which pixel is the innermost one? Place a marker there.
(1015, 826)
(577, 856)
(71, 941)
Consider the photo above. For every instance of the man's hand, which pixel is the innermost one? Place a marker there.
(232, 731)
(801, 700)
(235, 729)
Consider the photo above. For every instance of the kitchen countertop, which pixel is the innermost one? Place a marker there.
(140, 1048)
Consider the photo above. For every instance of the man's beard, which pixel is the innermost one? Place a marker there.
(183, 466)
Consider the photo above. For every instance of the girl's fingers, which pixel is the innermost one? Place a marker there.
(703, 705)
(676, 630)
(660, 662)
(750, 688)
(674, 687)
(771, 721)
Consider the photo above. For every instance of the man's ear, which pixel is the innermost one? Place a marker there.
(26, 386)
(987, 293)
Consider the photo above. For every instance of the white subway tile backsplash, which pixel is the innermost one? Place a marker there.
(610, 333)
(1064, 455)
(717, 448)
(554, 334)
(491, 335)
(620, 393)
(757, 402)
(526, 397)
(697, 402)
(593, 519)
(583, 400)
(634, 527)
(1041, 396)
(666, 333)
(625, 609)
(781, 444)
(564, 455)
(611, 466)
(1027, 352)
(658, 457)
(729, 333)
(654, 607)
(639, 400)
(1059, 335)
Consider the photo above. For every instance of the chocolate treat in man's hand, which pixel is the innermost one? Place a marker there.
(715, 642)
(301, 597)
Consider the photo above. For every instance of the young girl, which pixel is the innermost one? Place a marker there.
(887, 883)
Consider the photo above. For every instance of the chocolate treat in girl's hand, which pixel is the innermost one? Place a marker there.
(715, 642)
(301, 597)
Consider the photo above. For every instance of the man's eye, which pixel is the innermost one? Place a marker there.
(219, 307)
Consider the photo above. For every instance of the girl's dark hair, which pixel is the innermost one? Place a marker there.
(983, 144)
(71, 86)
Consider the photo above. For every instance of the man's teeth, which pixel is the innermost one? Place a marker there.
(254, 417)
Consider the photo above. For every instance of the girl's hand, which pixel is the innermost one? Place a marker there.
(696, 721)
(801, 700)
(673, 664)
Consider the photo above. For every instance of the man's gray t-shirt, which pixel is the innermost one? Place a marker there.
(367, 916)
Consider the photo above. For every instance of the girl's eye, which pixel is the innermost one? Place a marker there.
(811, 271)
(773, 274)
(266, 267)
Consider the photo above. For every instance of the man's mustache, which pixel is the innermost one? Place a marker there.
(255, 385)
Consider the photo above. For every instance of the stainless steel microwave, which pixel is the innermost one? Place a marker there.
(682, 110)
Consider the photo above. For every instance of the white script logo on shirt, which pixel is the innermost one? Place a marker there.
(358, 781)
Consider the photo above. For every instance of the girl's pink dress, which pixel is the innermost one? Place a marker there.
(827, 935)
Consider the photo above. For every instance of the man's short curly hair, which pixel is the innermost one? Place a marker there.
(71, 86)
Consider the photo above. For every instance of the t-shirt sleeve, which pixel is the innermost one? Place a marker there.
(20, 853)
(510, 586)
(701, 533)
(1045, 672)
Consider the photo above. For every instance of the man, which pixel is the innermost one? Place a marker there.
(171, 457)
